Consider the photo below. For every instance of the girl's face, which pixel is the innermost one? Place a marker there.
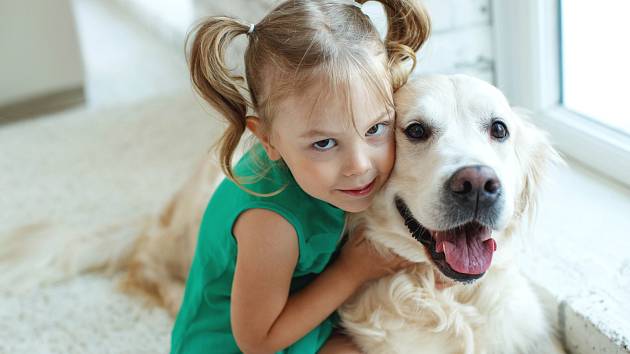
(331, 158)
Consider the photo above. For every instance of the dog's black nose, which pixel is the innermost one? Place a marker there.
(475, 186)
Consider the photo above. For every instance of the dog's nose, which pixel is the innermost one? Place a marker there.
(475, 186)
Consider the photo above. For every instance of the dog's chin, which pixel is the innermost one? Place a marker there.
(463, 253)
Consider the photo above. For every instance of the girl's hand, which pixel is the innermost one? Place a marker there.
(359, 258)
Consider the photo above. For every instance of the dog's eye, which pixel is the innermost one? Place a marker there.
(499, 130)
(416, 131)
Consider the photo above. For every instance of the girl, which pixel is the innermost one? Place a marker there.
(321, 82)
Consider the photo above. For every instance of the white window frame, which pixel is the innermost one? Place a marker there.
(527, 52)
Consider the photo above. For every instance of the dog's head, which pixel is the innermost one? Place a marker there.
(467, 168)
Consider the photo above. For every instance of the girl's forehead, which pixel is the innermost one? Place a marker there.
(341, 108)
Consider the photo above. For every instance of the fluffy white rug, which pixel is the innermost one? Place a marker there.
(89, 169)
(84, 315)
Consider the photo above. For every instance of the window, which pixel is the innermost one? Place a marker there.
(537, 69)
(560, 86)
(595, 61)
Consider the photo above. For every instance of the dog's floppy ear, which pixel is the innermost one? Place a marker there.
(535, 155)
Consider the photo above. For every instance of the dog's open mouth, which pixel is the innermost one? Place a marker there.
(463, 253)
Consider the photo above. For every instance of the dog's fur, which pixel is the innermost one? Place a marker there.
(422, 310)
(419, 310)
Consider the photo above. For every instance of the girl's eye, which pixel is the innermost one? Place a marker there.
(325, 144)
(377, 129)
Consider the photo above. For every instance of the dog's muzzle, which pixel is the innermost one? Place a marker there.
(472, 202)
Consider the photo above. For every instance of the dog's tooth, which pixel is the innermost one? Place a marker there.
(440, 247)
(486, 234)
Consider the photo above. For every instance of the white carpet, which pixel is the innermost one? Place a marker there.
(88, 169)
(85, 315)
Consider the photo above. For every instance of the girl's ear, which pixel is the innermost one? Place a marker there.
(255, 126)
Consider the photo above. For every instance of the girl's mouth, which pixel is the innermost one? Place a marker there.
(360, 191)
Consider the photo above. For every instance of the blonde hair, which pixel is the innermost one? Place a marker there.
(290, 47)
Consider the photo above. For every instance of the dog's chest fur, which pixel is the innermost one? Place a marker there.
(406, 313)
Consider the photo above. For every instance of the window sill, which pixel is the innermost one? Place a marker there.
(580, 258)
(602, 148)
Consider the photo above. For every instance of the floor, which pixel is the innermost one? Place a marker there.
(120, 156)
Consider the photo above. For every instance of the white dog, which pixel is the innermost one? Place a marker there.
(467, 170)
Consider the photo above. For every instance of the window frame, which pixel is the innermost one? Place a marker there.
(528, 70)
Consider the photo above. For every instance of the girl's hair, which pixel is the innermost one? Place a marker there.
(292, 47)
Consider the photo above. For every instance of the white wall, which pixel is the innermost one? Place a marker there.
(39, 50)
(461, 40)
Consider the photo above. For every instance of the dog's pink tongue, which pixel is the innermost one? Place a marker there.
(468, 254)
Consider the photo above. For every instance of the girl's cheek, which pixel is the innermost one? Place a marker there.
(320, 169)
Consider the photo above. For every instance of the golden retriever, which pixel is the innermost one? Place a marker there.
(467, 173)
(467, 170)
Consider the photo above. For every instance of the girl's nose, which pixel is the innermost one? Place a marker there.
(357, 164)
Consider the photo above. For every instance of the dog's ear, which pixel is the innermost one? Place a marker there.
(535, 155)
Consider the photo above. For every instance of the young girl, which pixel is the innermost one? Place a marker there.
(321, 83)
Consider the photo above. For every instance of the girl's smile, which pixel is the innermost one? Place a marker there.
(361, 191)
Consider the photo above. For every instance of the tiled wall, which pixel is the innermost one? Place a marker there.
(461, 40)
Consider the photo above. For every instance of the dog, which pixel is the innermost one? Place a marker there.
(465, 181)
(467, 173)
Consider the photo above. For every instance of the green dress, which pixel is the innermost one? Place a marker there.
(203, 322)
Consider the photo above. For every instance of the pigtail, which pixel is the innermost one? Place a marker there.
(408, 28)
(214, 82)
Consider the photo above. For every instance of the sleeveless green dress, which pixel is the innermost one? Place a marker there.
(203, 322)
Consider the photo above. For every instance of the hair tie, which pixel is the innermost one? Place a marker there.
(353, 3)
(251, 29)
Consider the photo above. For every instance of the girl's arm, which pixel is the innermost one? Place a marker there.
(264, 318)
